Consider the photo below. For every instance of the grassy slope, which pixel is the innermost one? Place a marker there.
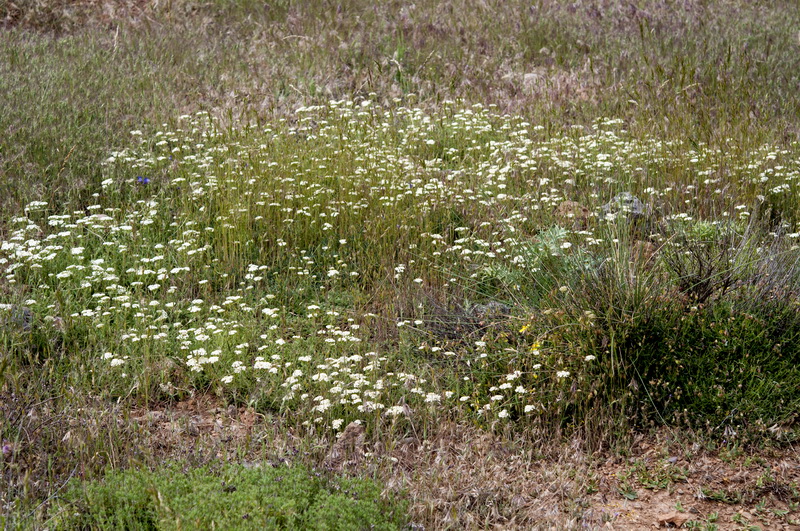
(74, 85)
(724, 73)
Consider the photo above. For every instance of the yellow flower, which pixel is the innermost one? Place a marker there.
(524, 329)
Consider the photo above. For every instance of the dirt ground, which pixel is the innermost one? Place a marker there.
(460, 477)
(737, 492)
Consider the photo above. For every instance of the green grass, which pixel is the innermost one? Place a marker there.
(230, 199)
(694, 73)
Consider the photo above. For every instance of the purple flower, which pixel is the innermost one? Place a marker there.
(8, 449)
(143, 180)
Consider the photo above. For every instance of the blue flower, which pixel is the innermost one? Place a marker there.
(142, 180)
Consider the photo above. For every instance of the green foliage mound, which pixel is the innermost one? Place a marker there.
(721, 368)
(704, 335)
(227, 497)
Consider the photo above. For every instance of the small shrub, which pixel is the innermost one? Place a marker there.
(704, 338)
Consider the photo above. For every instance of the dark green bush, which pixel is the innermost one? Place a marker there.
(705, 339)
(715, 368)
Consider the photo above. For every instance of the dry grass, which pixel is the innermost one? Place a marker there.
(561, 63)
(464, 478)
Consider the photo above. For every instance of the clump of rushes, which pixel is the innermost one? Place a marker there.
(286, 266)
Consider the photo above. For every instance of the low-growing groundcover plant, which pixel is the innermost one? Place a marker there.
(227, 497)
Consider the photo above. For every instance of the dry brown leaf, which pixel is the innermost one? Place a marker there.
(673, 518)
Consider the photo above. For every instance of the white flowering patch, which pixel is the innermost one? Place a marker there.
(220, 253)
